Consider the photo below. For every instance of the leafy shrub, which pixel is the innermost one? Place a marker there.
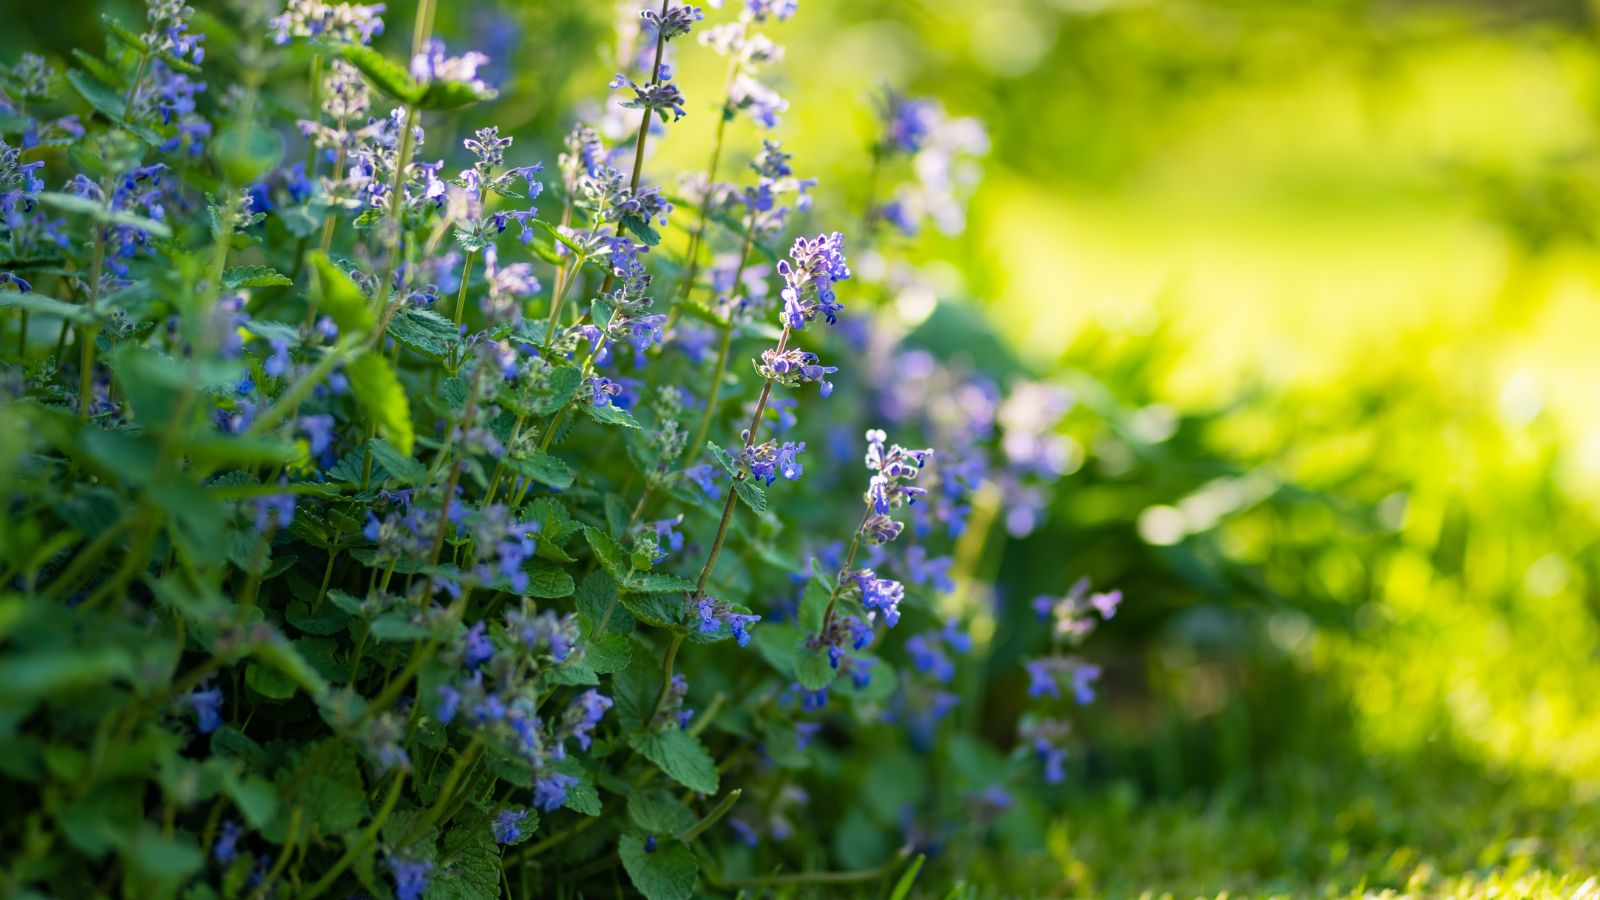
(375, 530)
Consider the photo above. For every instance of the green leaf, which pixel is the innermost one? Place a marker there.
(611, 653)
(902, 888)
(670, 872)
(331, 794)
(660, 610)
(658, 812)
(254, 277)
(256, 798)
(722, 458)
(155, 857)
(642, 228)
(543, 468)
(811, 667)
(680, 755)
(471, 870)
(596, 598)
(33, 674)
(328, 620)
(547, 581)
(397, 626)
(72, 203)
(452, 95)
(269, 683)
(379, 391)
(337, 297)
(581, 797)
(609, 415)
(657, 583)
(752, 495)
(813, 604)
(274, 331)
(401, 466)
(559, 388)
(385, 75)
(424, 331)
(607, 551)
(108, 101)
(44, 306)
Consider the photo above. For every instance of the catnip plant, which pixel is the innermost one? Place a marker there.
(392, 514)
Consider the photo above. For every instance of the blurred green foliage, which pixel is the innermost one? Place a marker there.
(1322, 276)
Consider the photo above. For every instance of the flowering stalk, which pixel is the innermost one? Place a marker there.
(605, 286)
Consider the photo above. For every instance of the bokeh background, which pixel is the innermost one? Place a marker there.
(1323, 282)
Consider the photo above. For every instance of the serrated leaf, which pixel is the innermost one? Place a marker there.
(751, 494)
(642, 229)
(610, 415)
(669, 872)
(379, 391)
(269, 683)
(608, 552)
(658, 812)
(254, 277)
(597, 598)
(547, 581)
(404, 468)
(660, 610)
(657, 583)
(680, 755)
(722, 458)
(424, 331)
(611, 653)
(274, 331)
(471, 870)
(560, 386)
(544, 468)
(332, 794)
(337, 297)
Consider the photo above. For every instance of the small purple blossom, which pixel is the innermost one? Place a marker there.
(508, 825)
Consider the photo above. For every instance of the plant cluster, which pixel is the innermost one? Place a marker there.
(405, 524)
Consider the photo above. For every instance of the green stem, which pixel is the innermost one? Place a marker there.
(368, 836)
(711, 818)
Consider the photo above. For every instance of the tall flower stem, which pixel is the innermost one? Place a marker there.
(461, 301)
(727, 508)
(722, 533)
(638, 170)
